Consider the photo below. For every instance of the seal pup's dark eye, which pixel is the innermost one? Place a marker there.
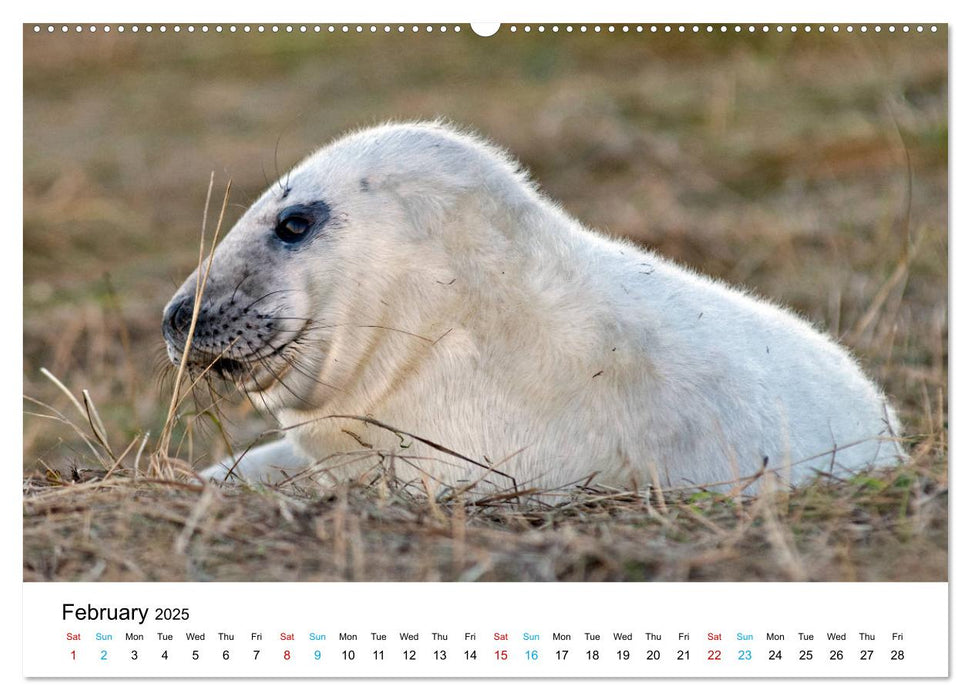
(299, 222)
(293, 228)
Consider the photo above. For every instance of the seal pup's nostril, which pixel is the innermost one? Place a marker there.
(177, 318)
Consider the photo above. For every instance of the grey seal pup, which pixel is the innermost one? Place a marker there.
(413, 275)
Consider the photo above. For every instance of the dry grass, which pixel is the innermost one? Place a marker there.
(890, 525)
(812, 169)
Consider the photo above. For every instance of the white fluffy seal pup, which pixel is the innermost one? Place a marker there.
(412, 275)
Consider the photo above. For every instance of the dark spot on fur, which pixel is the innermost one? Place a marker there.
(365, 185)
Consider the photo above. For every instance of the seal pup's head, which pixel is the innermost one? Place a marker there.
(327, 243)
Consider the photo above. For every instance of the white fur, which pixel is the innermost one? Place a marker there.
(453, 301)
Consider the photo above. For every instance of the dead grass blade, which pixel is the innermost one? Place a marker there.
(201, 280)
(94, 420)
(397, 431)
(61, 418)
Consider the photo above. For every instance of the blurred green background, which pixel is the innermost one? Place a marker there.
(811, 168)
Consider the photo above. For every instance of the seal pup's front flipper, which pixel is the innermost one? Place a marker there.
(270, 464)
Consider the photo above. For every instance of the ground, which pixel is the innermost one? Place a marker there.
(809, 168)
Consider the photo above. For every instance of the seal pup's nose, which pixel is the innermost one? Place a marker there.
(176, 320)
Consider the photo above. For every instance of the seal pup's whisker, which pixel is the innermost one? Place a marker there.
(279, 380)
(305, 370)
(242, 279)
(268, 294)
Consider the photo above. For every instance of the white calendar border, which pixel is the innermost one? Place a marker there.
(510, 10)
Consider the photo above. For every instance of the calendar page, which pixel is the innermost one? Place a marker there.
(511, 350)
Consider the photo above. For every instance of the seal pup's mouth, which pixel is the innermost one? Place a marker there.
(228, 368)
(258, 373)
